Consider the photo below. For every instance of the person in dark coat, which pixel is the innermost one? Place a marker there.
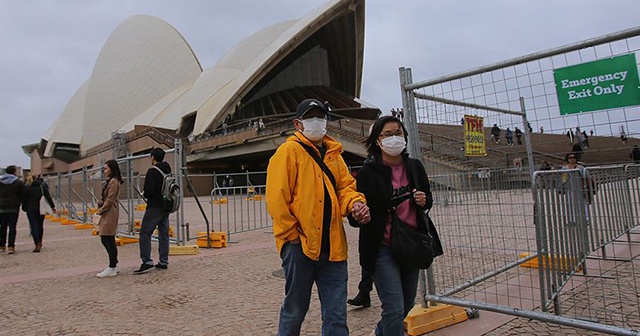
(495, 133)
(388, 174)
(154, 217)
(635, 154)
(34, 190)
(11, 190)
(518, 133)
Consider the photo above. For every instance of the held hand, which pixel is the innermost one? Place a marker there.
(360, 212)
(420, 197)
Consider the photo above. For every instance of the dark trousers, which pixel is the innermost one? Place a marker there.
(109, 243)
(36, 223)
(8, 221)
(154, 218)
(366, 283)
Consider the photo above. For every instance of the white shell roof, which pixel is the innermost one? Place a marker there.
(147, 74)
(215, 82)
(68, 127)
(255, 56)
(144, 60)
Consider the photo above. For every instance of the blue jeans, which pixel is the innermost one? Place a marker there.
(300, 274)
(154, 217)
(36, 223)
(396, 286)
(8, 220)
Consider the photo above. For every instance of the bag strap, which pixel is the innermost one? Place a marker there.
(320, 163)
(160, 170)
(397, 200)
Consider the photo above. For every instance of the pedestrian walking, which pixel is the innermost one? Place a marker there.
(11, 191)
(107, 216)
(518, 133)
(495, 134)
(585, 139)
(34, 190)
(509, 136)
(623, 137)
(579, 201)
(154, 217)
(389, 178)
(309, 192)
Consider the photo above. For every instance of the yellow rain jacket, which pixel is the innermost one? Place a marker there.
(295, 194)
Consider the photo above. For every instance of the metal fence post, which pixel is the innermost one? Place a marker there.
(85, 207)
(178, 160)
(130, 206)
(413, 147)
(527, 138)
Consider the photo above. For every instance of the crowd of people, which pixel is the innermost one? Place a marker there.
(14, 193)
(508, 135)
(309, 191)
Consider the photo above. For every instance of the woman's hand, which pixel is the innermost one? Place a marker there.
(360, 212)
(420, 197)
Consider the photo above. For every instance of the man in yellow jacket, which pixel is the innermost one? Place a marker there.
(307, 203)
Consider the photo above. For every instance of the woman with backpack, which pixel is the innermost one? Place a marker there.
(109, 213)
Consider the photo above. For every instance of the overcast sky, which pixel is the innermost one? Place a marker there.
(49, 47)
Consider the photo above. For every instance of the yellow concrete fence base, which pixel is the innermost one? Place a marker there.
(216, 239)
(558, 262)
(82, 226)
(223, 200)
(184, 250)
(423, 320)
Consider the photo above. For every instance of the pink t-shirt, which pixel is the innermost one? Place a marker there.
(405, 210)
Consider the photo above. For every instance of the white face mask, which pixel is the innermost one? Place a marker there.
(393, 145)
(314, 128)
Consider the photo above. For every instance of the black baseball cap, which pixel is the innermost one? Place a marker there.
(309, 104)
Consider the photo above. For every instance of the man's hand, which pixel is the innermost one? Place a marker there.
(360, 212)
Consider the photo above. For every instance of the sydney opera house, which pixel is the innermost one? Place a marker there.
(148, 88)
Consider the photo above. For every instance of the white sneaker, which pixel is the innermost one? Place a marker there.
(108, 272)
(117, 268)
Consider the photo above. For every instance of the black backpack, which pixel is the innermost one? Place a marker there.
(170, 192)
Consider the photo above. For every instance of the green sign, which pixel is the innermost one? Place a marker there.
(598, 85)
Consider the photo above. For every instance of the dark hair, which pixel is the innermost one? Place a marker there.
(566, 158)
(11, 169)
(157, 154)
(371, 144)
(115, 170)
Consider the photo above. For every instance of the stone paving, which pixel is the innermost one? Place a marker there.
(229, 291)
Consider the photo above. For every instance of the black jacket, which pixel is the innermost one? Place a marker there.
(153, 184)
(374, 181)
(11, 190)
(32, 195)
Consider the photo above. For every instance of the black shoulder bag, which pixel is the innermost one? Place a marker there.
(320, 163)
(413, 248)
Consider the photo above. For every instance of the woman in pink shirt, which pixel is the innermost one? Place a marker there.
(390, 178)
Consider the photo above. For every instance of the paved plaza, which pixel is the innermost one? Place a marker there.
(228, 291)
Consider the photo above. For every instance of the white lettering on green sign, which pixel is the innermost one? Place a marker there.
(598, 85)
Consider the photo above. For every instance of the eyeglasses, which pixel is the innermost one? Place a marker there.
(389, 134)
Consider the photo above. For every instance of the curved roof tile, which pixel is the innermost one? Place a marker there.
(143, 60)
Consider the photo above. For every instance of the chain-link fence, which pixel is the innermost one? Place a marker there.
(518, 245)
